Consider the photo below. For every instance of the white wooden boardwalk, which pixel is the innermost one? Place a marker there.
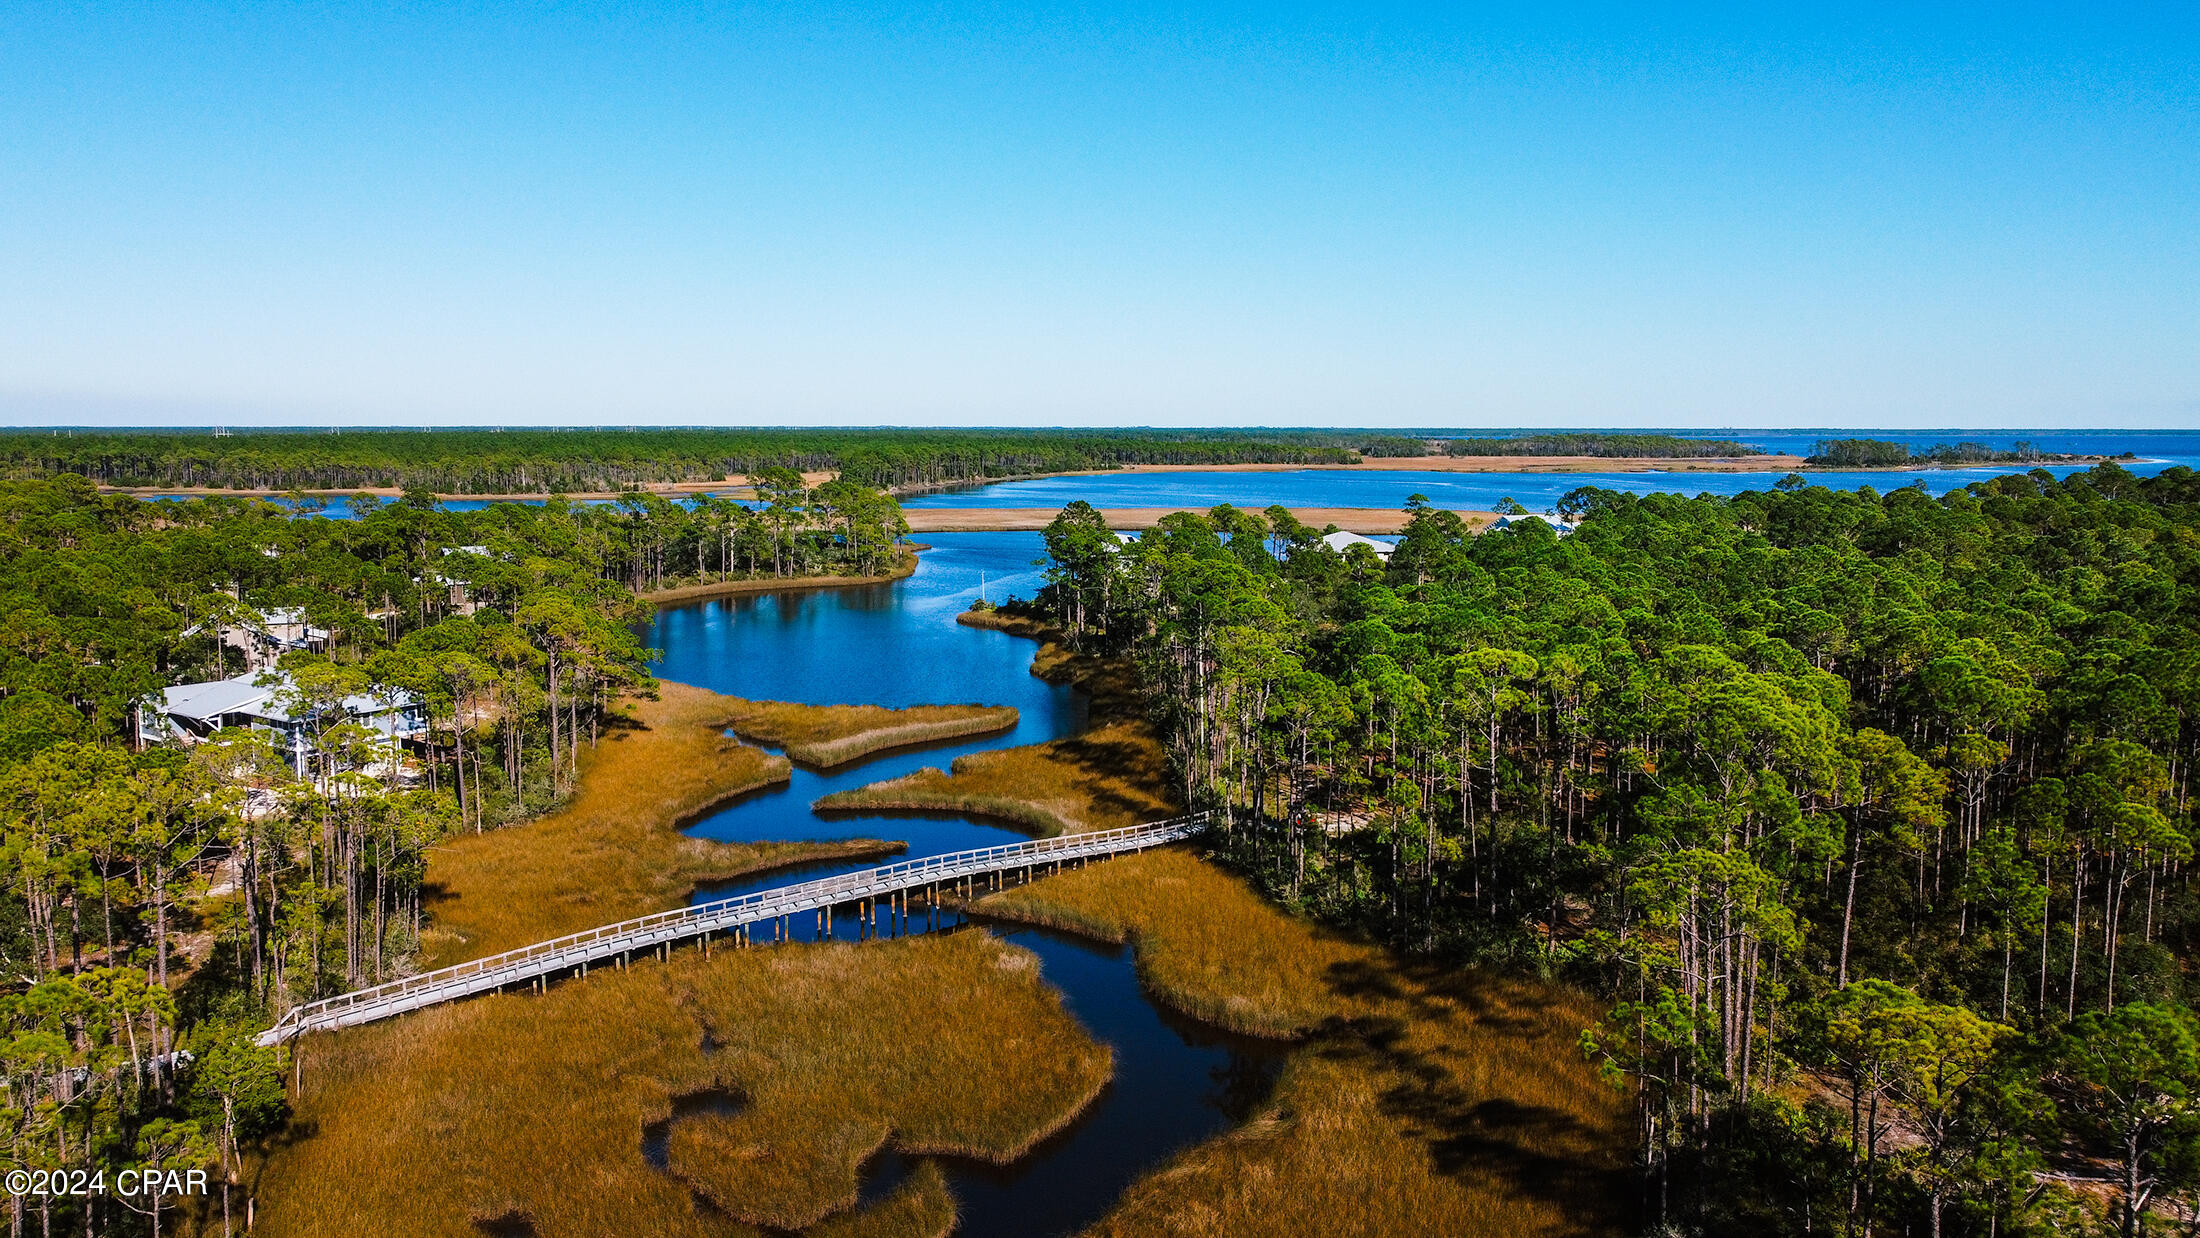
(619, 942)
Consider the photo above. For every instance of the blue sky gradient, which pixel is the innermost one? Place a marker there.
(565, 214)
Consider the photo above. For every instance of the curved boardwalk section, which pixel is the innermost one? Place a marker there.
(958, 872)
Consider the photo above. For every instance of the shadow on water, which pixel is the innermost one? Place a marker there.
(1176, 1082)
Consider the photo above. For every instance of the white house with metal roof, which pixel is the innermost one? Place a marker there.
(189, 713)
(1342, 541)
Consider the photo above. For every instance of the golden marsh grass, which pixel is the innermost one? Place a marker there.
(535, 1106)
(614, 850)
(921, 1207)
(1115, 773)
(1426, 1101)
(1208, 946)
(1107, 777)
(829, 735)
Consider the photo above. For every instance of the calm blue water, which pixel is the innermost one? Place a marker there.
(893, 644)
(1536, 491)
(2158, 449)
(897, 644)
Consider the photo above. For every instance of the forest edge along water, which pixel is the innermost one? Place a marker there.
(1178, 1081)
(1175, 1082)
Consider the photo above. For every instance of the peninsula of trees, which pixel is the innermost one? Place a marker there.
(1872, 453)
(1869, 815)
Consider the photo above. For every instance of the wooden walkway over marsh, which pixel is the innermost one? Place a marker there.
(955, 874)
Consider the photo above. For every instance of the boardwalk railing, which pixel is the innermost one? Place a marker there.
(576, 951)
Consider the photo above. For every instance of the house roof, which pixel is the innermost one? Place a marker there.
(1341, 541)
(246, 695)
(216, 697)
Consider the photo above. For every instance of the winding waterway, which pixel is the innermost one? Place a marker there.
(1175, 1083)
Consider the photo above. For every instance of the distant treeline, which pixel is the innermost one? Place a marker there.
(1671, 446)
(1872, 453)
(569, 461)
(574, 461)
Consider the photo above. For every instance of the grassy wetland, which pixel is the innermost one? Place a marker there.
(745, 1093)
(1064, 786)
(536, 1108)
(1115, 773)
(614, 849)
(829, 735)
(1208, 945)
(1424, 1101)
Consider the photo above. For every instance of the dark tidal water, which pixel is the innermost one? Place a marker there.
(1176, 1083)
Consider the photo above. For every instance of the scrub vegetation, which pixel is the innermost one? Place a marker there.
(536, 1107)
(829, 735)
(614, 850)
(1427, 1100)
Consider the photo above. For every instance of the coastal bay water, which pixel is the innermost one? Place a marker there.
(891, 644)
(1176, 1083)
(1539, 490)
(1458, 491)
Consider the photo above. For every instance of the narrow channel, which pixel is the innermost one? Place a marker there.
(1176, 1082)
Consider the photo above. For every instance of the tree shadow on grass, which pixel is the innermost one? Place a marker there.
(1120, 776)
(1464, 1062)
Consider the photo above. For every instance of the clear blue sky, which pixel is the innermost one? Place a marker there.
(409, 214)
